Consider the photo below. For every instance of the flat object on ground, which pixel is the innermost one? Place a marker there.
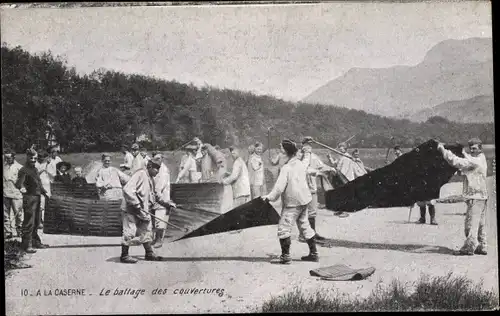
(341, 272)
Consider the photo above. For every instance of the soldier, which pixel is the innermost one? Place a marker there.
(53, 160)
(126, 166)
(474, 168)
(12, 197)
(31, 186)
(139, 197)
(292, 187)
(423, 205)
(314, 165)
(163, 205)
(110, 180)
(256, 171)
(138, 161)
(238, 179)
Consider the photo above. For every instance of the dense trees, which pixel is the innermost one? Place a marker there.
(102, 110)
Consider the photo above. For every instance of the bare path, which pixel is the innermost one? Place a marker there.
(239, 264)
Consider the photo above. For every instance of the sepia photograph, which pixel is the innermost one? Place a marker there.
(200, 158)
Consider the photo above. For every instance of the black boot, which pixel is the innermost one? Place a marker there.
(150, 255)
(285, 251)
(432, 213)
(422, 215)
(313, 252)
(125, 258)
(312, 222)
(27, 247)
(158, 241)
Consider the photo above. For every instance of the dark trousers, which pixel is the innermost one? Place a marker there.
(432, 211)
(31, 207)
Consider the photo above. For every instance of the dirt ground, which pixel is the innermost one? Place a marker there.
(239, 264)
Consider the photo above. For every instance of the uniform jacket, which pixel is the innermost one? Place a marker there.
(139, 191)
(10, 174)
(292, 185)
(474, 169)
(256, 170)
(111, 176)
(239, 179)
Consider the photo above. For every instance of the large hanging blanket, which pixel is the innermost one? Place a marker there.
(415, 176)
(255, 213)
(79, 211)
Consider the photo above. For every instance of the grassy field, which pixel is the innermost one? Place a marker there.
(450, 293)
(372, 157)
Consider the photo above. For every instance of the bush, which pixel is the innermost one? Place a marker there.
(12, 256)
(436, 293)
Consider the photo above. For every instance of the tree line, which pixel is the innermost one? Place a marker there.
(102, 110)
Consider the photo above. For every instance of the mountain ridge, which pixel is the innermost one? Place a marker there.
(450, 70)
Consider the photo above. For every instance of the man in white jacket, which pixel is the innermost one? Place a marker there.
(238, 179)
(12, 196)
(139, 198)
(163, 205)
(110, 181)
(292, 187)
(314, 166)
(474, 167)
(54, 159)
(256, 171)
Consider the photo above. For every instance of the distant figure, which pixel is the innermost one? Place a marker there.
(42, 165)
(474, 167)
(256, 171)
(163, 205)
(188, 170)
(206, 165)
(251, 150)
(145, 156)
(343, 165)
(423, 205)
(12, 196)
(126, 166)
(79, 180)
(138, 161)
(359, 168)
(314, 166)
(397, 151)
(54, 159)
(109, 181)
(63, 175)
(238, 179)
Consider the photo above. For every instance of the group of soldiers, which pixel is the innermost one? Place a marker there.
(143, 184)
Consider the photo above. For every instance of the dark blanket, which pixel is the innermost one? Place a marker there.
(415, 176)
(251, 214)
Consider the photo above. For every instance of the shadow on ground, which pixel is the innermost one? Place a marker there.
(412, 248)
(202, 259)
(87, 246)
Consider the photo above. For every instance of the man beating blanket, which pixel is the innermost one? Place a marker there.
(474, 168)
(139, 199)
(292, 187)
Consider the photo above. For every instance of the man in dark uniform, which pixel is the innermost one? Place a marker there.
(31, 186)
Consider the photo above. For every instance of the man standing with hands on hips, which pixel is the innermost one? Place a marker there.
(292, 187)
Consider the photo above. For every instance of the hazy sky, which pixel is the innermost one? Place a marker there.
(284, 50)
